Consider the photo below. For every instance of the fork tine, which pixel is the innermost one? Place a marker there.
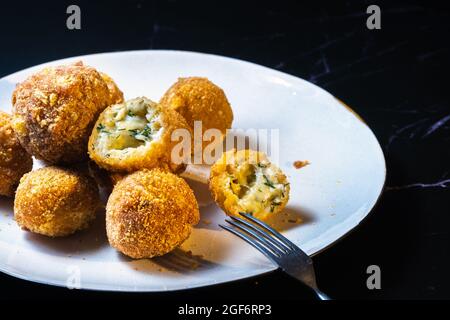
(236, 223)
(275, 233)
(257, 232)
(252, 242)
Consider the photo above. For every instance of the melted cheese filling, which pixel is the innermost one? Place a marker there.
(131, 125)
(257, 187)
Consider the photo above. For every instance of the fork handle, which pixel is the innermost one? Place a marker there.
(321, 295)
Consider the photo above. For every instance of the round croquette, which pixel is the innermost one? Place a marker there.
(246, 181)
(55, 202)
(137, 134)
(115, 94)
(55, 109)
(198, 99)
(14, 160)
(149, 213)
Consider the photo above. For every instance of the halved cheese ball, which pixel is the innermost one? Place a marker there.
(135, 135)
(246, 181)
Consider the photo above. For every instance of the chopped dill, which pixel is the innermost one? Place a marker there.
(101, 128)
(268, 182)
(146, 132)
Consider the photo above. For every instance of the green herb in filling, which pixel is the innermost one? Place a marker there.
(133, 132)
(146, 132)
(268, 182)
(101, 128)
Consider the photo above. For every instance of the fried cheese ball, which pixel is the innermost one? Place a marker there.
(150, 213)
(55, 202)
(14, 160)
(137, 134)
(115, 94)
(198, 99)
(246, 181)
(55, 109)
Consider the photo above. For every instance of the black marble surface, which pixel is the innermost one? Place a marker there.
(396, 78)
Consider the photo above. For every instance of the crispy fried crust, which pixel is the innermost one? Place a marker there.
(197, 98)
(228, 193)
(54, 111)
(156, 155)
(55, 202)
(149, 213)
(115, 94)
(14, 160)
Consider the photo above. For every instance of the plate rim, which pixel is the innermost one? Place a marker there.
(354, 226)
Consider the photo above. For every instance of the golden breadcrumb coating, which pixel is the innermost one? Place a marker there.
(135, 135)
(150, 213)
(198, 99)
(115, 94)
(14, 160)
(55, 202)
(246, 181)
(55, 109)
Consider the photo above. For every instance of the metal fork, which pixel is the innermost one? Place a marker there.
(285, 254)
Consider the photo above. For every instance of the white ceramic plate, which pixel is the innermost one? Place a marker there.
(331, 196)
